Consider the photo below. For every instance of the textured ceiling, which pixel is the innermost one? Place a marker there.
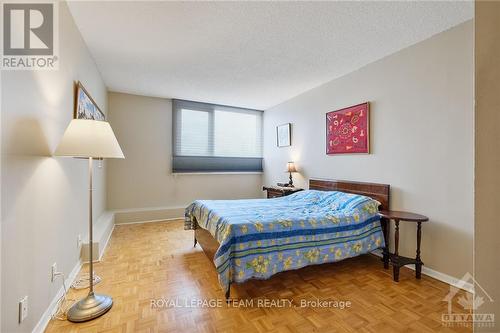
(251, 54)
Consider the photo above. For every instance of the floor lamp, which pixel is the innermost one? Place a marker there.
(89, 139)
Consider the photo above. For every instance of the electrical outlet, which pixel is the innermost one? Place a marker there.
(79, 241)
(23, 309)
(53, 272)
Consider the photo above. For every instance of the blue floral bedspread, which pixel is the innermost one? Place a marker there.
(261, 237)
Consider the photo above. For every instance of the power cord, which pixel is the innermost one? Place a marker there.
(64, 303)
(84, 281)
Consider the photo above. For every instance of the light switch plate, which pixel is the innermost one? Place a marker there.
(53, 272)
(23, 309)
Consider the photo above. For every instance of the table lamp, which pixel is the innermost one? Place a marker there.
(90, 139)
(290, 167)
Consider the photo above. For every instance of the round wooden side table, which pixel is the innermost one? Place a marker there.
(395, 259)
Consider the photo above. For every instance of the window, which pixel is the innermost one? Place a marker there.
(216, 138)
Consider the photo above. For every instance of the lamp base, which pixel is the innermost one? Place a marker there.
(91, 307)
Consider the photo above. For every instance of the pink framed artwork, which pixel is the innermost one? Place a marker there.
(348, 130)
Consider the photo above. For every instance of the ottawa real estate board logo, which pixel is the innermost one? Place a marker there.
(30, 36)
(467, 312)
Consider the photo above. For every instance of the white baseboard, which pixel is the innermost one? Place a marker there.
(123, 216)
(47, 315)
(103, 228)
(103, 248)
(152, 221)
(453, 281)
(448, 279)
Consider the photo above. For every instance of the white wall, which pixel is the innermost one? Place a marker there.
(143, 181)
(44, 199)
(487, 158)
(421, 134)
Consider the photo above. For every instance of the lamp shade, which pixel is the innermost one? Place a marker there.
(89, 138)
(290, 167)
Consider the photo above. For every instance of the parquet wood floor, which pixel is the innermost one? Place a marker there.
(158, 261)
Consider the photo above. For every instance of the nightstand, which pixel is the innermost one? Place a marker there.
(278, 191)
(395, 259)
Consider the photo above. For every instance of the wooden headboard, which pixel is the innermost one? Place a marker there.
(379, 192)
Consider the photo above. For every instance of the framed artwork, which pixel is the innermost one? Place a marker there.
(85, 106)
(283, 134)
(348, 130)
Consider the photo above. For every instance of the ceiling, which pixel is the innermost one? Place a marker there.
(249, 54)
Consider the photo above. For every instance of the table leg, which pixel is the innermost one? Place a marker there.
(418, 264)
(395, 264)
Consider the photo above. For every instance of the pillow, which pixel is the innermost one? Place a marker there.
(356, 201)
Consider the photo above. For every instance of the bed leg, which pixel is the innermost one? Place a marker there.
(228, 293)
(195, 241)
(386, 233)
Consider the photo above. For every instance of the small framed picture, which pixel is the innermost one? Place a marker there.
(85, 106)
(283, 133)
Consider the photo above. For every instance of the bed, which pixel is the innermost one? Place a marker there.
(257, 238)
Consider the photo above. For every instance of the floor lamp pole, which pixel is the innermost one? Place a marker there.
(94, 305)
(91, 231)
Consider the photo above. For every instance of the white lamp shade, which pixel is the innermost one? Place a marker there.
(89, 138)
(290, 167)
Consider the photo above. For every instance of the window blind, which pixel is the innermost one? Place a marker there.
(216, 138)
